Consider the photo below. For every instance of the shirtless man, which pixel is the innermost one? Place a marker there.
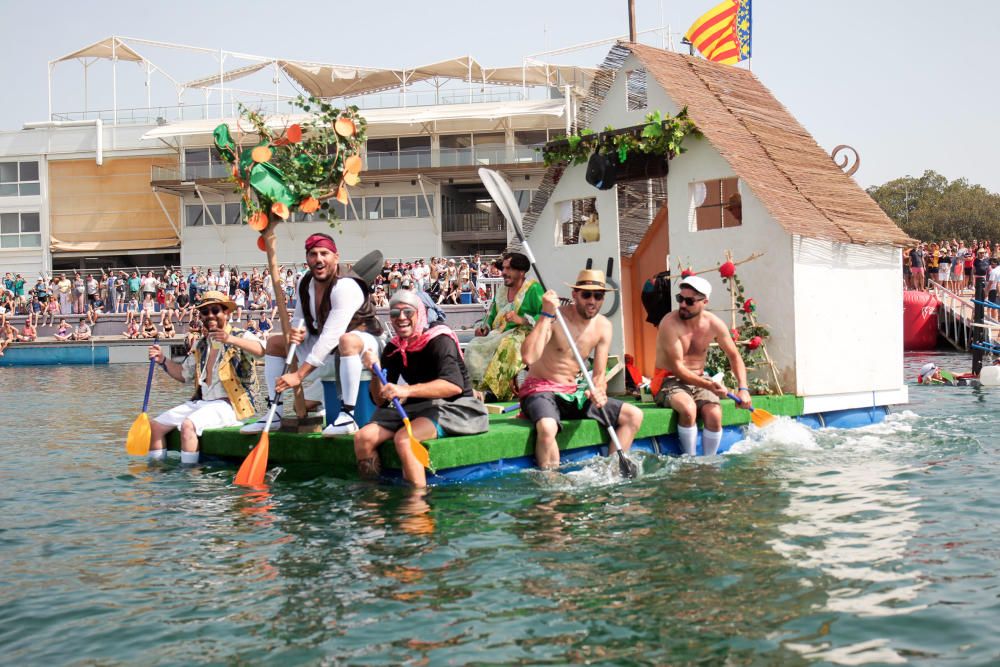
(550, 394)
(681, 345)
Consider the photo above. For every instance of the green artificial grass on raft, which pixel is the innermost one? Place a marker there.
(508, 438)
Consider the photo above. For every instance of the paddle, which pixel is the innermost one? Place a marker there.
(759, 416)
(502, 195)
(251, 472)
(418, 447)
(137, 442)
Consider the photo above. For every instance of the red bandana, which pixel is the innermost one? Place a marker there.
(320, 241)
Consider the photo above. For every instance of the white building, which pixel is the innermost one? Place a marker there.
(827, 281)
(142, 186)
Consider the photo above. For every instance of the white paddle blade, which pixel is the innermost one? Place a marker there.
(504, 197)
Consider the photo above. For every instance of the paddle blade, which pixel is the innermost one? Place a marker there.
(417, 447)
(626, 466)
(761, 417)
(137, 442)
(251, 472)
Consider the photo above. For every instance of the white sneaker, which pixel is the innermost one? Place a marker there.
(258, 426)
(343, 425)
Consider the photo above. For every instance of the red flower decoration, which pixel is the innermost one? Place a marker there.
(749, 306)
(686, 272)
(754, 342)
(735, 333)
(727, 270)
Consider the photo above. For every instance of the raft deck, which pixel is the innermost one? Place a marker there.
(508, 445)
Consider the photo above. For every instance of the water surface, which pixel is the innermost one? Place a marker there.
(868, 546)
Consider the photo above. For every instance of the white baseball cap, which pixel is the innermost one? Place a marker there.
(698, 284)
(927, 369)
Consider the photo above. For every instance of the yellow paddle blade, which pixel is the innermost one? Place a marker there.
(251, 472)
(418, 447)
(137, 442)
(761, 417)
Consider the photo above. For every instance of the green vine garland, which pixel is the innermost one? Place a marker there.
(662, 134)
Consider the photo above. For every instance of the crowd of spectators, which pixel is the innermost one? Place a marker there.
(953, 264)
(156, 302)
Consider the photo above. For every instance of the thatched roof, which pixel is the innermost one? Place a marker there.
(796, 180)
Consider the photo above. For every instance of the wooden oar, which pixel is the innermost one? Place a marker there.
(759, 416)
(251, 472)
(137, 442)
(419, 450)
(504, 198)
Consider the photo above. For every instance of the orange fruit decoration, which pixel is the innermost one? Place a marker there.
(294, 133)
(342, 195)
(260, 244)
(351, 178)
(353, 164)
(257, 221)
(280, 210)
(344, 127)
(309, 205)
(261, 154)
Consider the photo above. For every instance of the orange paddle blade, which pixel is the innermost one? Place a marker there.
(761, 417)
(251, 472)
(137, 442)
(418, 447)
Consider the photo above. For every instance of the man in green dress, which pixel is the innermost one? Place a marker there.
(493, 357)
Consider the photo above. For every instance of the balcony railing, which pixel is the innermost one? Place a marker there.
(451, 157)
(473, 222)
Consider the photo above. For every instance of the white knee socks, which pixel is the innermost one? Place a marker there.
(688, 435)
(189, 458)
(350, 378)
(273, 366)
(710, 441)
(157, 454)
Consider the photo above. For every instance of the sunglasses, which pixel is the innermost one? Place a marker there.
(596, 296)
(210, 310)
(396, 313)
(688, 300)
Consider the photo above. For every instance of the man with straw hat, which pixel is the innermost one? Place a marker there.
(222, 364)
(681, 346)
(550, 392)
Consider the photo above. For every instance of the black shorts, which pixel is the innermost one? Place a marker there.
(547, 404)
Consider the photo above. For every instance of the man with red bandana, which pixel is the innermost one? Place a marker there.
(338, 317)
(437, 395)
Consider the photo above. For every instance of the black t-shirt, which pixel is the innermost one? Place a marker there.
(917, 259)
(981, 267)
(438, 360)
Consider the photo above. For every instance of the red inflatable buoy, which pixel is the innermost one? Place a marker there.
(920, 330)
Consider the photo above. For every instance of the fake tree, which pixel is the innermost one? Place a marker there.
(749, 336)
(295, 167)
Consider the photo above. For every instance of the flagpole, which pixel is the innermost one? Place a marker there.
(631, 21)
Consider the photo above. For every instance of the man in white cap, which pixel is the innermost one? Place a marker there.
(679, 383)
(931, 374)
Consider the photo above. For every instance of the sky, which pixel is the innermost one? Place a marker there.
(905, 82)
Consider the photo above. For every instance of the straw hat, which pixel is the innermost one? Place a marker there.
(212, 297)
(591, 279)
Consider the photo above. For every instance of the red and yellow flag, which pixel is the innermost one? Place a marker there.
(722, 34)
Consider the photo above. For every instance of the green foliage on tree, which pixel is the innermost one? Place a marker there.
(932, 208)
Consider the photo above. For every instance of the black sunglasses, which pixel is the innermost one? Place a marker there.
(596, 296)
(688, 300)
(396, 313)
(211, 310)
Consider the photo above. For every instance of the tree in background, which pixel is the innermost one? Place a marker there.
(932, 208)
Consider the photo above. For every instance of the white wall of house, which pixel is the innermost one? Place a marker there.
(849, 329)
(560, 264)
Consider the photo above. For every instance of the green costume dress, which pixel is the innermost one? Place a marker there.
(493, 360)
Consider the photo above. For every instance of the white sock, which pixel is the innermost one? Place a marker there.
(710, 441)
(350, 379)
(189, 457)
(273, 366)
(157, 454)
(688, 435)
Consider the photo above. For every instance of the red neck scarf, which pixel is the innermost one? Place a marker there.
(419, 341)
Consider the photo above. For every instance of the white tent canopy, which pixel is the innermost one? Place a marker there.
(394, 116)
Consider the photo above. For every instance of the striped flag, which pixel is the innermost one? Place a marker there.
(722, 34)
